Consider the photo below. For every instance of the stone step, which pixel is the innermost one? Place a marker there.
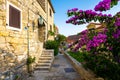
(44, 61)
(43, 64)
(45, 58)
(46, 55)
(42, 68)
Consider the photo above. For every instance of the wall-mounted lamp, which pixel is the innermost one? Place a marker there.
(40, 21)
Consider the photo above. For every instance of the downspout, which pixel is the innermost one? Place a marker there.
(47, 22)
(28, 66)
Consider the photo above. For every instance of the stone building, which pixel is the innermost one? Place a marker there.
(50, 16)
(96, 26)
(24, 26)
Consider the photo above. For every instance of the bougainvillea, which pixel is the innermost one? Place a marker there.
(82, 40)
(105, 5)
(117, 22)
(78, 17)
(96, 41)
(103, 47)
(81, 17)
(116, 34)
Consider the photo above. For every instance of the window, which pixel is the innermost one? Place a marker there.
(50, 13)
(50, 27)
(13, 17)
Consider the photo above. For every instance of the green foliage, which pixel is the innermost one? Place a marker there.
(17, 77)
(50, 44)
(103, 66)
(99, 63)
(60, 38)
(51, 33)
(79, 56)
(30, 60)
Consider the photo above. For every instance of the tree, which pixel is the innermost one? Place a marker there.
(60, 38)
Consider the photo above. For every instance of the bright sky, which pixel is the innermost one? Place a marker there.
(60, 17)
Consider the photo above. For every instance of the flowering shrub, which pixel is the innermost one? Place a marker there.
(81, 17)
(104, 47)
(105, 5)
(117, 22)
(82, 41)
(96, 41)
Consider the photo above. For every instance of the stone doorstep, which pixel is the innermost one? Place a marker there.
(85, 75)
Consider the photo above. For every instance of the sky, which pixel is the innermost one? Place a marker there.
(60, 16)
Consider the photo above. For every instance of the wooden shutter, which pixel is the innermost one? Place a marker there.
(50, 12)
(50, 27)
(14, 17)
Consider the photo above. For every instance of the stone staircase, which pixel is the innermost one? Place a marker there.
(45, 61)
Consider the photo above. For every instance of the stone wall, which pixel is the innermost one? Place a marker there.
(15, 42)
(85, 74)
(41, 32)
(42, 3)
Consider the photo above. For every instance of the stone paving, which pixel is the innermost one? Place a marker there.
(60, 70)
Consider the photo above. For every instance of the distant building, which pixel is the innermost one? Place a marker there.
(98, 27)
(72, 38)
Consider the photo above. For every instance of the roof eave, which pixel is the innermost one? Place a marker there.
(51, 5)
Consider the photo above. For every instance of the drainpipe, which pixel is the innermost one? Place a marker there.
(28, 66)
(47, 23)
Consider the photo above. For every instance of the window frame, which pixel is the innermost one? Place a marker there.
(50, 27)
(7, 17)
(50, 12)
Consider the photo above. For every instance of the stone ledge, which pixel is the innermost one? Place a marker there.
(85, 75)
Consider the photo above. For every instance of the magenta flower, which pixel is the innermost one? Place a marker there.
(116, 34)
(103, 5)
(96, 41)
(117, 22)
(74, 9)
